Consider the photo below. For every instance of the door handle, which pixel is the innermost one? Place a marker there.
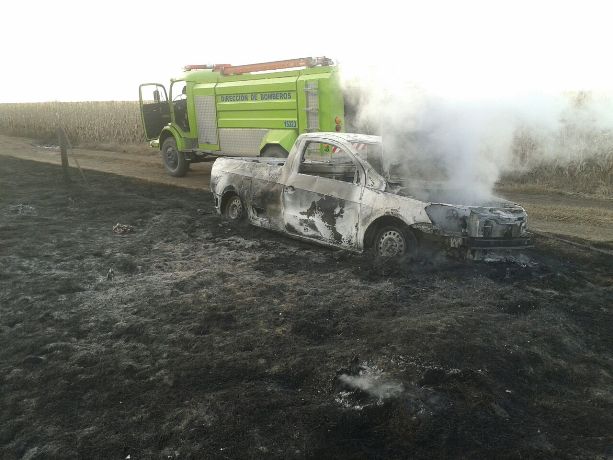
(290, 189)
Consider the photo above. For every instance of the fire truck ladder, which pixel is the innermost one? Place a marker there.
(228, 69)
(311, 91)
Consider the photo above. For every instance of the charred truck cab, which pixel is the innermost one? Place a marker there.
(248, 110)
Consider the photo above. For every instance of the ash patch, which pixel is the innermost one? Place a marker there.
(370, 386)
(122, 229)
(21, 210)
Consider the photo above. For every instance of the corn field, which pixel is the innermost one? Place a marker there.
(84, 122)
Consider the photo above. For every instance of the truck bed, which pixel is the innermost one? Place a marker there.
(263, 168)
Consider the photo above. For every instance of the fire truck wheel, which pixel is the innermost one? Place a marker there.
(274, 151)
(174, 161)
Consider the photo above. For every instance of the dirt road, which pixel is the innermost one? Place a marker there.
(142, 163)
(563, 214)
(567, 215)
(188, 337)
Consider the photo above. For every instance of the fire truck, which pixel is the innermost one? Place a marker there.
(246, 110)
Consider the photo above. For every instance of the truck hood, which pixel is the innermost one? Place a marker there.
(442, 192)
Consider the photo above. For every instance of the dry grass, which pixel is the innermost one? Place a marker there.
(578, 158)
(85, 122)
(590, 176)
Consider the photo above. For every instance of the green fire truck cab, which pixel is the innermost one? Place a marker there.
(248, 110)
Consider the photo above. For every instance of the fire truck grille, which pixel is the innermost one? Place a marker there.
(206, 116)
(243, 142)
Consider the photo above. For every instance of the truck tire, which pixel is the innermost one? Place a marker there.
(174, 161)
(274, 151)
(394, 241)
(233, 208)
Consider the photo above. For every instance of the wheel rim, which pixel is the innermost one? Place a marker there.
(171, 157)
(391, 243)
(235, 208)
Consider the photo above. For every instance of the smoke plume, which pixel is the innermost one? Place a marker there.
(458, 147)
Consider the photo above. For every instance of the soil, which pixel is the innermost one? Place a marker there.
(185, 336)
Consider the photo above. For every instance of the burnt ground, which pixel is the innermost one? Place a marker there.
(219, 341)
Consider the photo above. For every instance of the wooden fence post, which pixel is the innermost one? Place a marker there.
(61, 137)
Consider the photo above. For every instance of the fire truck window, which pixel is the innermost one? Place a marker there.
(178, 90)
(178, 93)
(151, 94)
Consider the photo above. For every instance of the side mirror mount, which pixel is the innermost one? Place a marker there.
(156, 95)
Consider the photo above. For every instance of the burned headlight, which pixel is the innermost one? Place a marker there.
(496, 223)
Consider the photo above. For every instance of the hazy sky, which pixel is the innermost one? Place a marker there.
(62, 50)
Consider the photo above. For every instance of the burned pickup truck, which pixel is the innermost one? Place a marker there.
(331, 189)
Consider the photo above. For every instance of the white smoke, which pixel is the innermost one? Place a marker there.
(372, 380)
(467, 143)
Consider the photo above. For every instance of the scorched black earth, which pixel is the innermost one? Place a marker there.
(191, 338)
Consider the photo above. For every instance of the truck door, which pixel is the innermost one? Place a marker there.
(321, 198)
(154, 108)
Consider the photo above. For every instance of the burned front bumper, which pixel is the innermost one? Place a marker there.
(499, 243)
(481, 227)
(488, 243)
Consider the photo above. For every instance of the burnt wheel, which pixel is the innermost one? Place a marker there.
(234, 209)
(174, 161)
(394, 241)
